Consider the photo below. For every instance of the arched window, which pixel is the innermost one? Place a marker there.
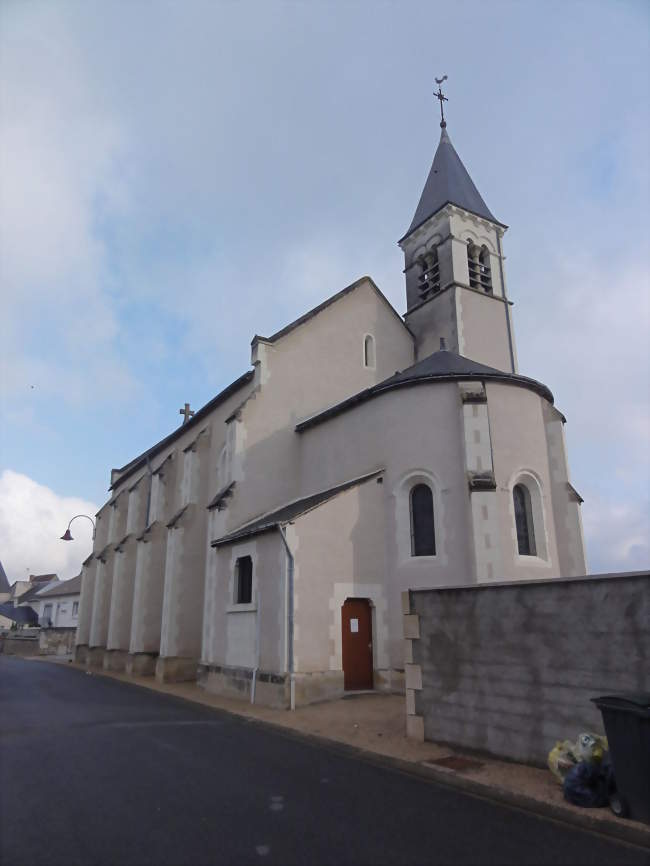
(524, 520)
(430, 275)
(369, 351)
(423, 538)
(244, 580)
(473, 265)
(485, 274)
(478, 263)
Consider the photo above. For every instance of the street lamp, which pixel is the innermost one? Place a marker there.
(66, 535)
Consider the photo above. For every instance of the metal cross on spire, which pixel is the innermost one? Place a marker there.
(440, 96)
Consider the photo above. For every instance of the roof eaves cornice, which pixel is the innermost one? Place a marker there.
(450, 206)
(430, 379)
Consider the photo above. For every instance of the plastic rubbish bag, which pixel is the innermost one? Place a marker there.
(590, 747)
(589, 783)
(565, 754)
(561, 759)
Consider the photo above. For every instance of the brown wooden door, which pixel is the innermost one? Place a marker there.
(356, 622)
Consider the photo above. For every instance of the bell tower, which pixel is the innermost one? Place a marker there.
(454, 266)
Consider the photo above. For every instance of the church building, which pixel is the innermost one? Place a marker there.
(263, 546)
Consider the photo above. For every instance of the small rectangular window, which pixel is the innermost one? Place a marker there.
(75, 608)
(244, 580)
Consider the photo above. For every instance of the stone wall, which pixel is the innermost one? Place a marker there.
(509, 669)
(56, 641)
(14, 643)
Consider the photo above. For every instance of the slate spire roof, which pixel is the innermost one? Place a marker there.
(448, 183)
(4, 583)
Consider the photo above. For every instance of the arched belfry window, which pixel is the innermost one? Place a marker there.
(524, 520)
(423, 537)
(369, 351)
(429, 279)
(478, 263)
(485, 273)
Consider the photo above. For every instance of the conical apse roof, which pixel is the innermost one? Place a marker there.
(448, 183)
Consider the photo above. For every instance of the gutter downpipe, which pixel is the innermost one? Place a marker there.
(503, 289)
(290, 566)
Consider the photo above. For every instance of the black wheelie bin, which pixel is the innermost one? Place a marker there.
(627, 725)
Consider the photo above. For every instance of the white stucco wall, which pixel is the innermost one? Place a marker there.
(312, 367)
(520, 450)
(340, 552)
(230, 629)
(411, 432)
(62, 614)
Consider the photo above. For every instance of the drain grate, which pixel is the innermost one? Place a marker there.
(456, 762)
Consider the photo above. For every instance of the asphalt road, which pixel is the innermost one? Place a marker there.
(95, 771)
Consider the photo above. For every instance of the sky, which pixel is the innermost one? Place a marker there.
(177, 177)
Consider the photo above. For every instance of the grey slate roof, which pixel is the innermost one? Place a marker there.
(21, 615)
(440, 367)
(448, 183)
(290, 511)
(4, 583)
(34, 591)
(64, 587)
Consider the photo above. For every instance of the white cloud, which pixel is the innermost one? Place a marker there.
(32, 520)
(617, 536)
(591, 347)
(62, 162)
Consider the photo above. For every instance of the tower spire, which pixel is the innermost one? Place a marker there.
(442, 99)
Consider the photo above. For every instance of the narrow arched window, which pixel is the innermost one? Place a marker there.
(244, 580)
(369, 351)
(429, 280)
(485, 273)
(473, 265)
(524, 520)
(423, 538)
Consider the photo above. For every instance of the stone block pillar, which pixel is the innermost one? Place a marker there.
(119, 626)
(477, 441)
(82, 639)
(101, 609)
(146, 621)
(412, 671)
(182, 619)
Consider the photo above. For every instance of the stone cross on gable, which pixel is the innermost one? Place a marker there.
(186, 413)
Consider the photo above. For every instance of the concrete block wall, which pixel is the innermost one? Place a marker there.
(16, 644)
(56, 641)
(509, 669)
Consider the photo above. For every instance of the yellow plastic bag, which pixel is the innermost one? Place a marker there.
(561, 758)
(564, 755)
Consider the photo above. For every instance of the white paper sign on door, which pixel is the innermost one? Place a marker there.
(354, 625)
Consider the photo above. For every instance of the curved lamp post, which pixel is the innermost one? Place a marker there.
(66, 535)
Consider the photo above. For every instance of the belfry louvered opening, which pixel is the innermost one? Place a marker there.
(478, 263)
(429, 280)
